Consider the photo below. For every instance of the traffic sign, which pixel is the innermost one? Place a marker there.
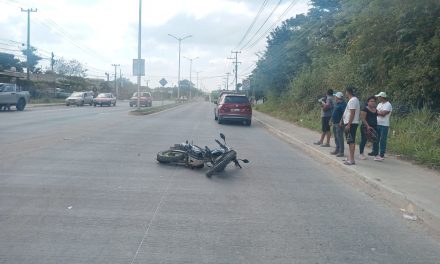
(138, 67)
(163, 82)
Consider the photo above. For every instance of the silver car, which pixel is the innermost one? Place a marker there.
(80, 98)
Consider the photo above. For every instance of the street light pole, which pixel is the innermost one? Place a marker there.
(116, 76)
(178, 74)
(139, 56)
(198, 79)
(190, 73)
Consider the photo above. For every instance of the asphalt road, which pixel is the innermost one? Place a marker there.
(81, 185)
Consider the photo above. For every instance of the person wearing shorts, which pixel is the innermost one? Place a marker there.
(327, 105)
(350, 120)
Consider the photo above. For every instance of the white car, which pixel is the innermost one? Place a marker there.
(80, 98)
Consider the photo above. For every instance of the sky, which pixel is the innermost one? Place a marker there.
(100, 33)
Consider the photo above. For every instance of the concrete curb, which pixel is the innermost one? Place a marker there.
(45, 105)
(372, 187)
(152, 112)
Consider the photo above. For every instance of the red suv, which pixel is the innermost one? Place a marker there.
(233, 107)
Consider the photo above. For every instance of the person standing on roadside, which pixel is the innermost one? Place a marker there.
(327, 105)
(384, 109)
(369, 123)
(338, 131)
(350, 120)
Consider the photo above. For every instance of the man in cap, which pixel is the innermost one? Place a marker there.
(384, 109)
(338, 131)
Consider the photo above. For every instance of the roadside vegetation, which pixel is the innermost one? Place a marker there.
(374, 45)
(47, 100)
(414, 136)
(152, 110)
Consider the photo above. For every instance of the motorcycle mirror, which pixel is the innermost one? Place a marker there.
(222, 136)
(245, 161)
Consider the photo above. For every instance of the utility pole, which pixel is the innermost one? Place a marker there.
(236, 67)
(227, 80)
(120, 79)
(190, 73)
(178, 74)
(116, 76)
(108, 76)
(28, 50)
(52, 62)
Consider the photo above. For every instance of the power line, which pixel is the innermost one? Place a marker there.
(263, 5)
(264, 23)
(292, 4)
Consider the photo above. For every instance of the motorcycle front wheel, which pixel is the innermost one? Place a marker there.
(221, 163)
(169, 156)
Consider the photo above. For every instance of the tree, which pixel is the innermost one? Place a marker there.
(70, 68)
(33, 60)
(389, 45)
(7, 61)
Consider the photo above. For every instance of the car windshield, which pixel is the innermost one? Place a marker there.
(106, 95)
(142, 95)
(236, 99)
(77, 95)
(2, 87)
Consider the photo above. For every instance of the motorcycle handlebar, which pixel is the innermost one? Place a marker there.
(221, 145)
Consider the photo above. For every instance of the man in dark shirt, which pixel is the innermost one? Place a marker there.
(338, 131)
(327, 106)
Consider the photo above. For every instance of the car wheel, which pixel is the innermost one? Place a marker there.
(21, 104)
(219, 120)
(215, 116)
(67, 104)
(94, 105)
(91, 103)
(247, 122)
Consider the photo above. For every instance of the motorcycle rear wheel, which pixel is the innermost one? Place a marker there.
(222, 162)
(169, 156)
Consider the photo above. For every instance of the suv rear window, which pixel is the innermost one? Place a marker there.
(236, 99)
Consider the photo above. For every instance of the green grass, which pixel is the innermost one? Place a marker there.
(151, 110)
(413, 137)
(46, 100)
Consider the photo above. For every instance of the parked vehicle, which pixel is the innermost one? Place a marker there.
(145, 99)
(60, 93)
(192, 156)
(80, 98)
(182, 99)
(104, 99)
(233, 107)
(10, 95)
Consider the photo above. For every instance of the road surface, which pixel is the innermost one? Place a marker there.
(81, 185)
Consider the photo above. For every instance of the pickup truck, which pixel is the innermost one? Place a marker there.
(10, 94)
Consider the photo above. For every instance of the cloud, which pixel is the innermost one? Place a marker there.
(101, 32)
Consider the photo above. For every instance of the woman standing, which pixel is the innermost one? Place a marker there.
(369, 123)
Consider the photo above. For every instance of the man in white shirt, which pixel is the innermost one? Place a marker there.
(350, 120)
(384, 109)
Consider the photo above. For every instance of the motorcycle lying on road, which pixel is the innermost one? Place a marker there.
(193, 156)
